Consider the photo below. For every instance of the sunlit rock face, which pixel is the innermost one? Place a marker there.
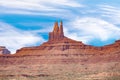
(4, 50)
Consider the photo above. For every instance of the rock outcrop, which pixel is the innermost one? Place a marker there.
(57, 41)
(4, 50)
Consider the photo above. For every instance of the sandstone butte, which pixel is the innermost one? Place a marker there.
(61, 46)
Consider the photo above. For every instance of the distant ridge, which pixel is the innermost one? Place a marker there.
(4, 50)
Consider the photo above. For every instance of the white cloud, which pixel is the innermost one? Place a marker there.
(112, 13)
(36, 6)
(88, 29)
(84, 29)
(14, 38)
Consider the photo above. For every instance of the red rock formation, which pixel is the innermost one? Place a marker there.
(59, 44)
(57, 33)
(57, 41)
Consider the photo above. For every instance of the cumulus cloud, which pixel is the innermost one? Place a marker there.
(14, 38)
(88, 28)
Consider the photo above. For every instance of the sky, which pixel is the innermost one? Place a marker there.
(26, 23)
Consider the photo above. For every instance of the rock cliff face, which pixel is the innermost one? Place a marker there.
(3, 50)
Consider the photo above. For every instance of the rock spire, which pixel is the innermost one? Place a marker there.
(57, 33)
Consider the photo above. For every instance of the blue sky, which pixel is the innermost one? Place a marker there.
(27, 22)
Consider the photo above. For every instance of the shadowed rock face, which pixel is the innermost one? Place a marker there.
(3, 50)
